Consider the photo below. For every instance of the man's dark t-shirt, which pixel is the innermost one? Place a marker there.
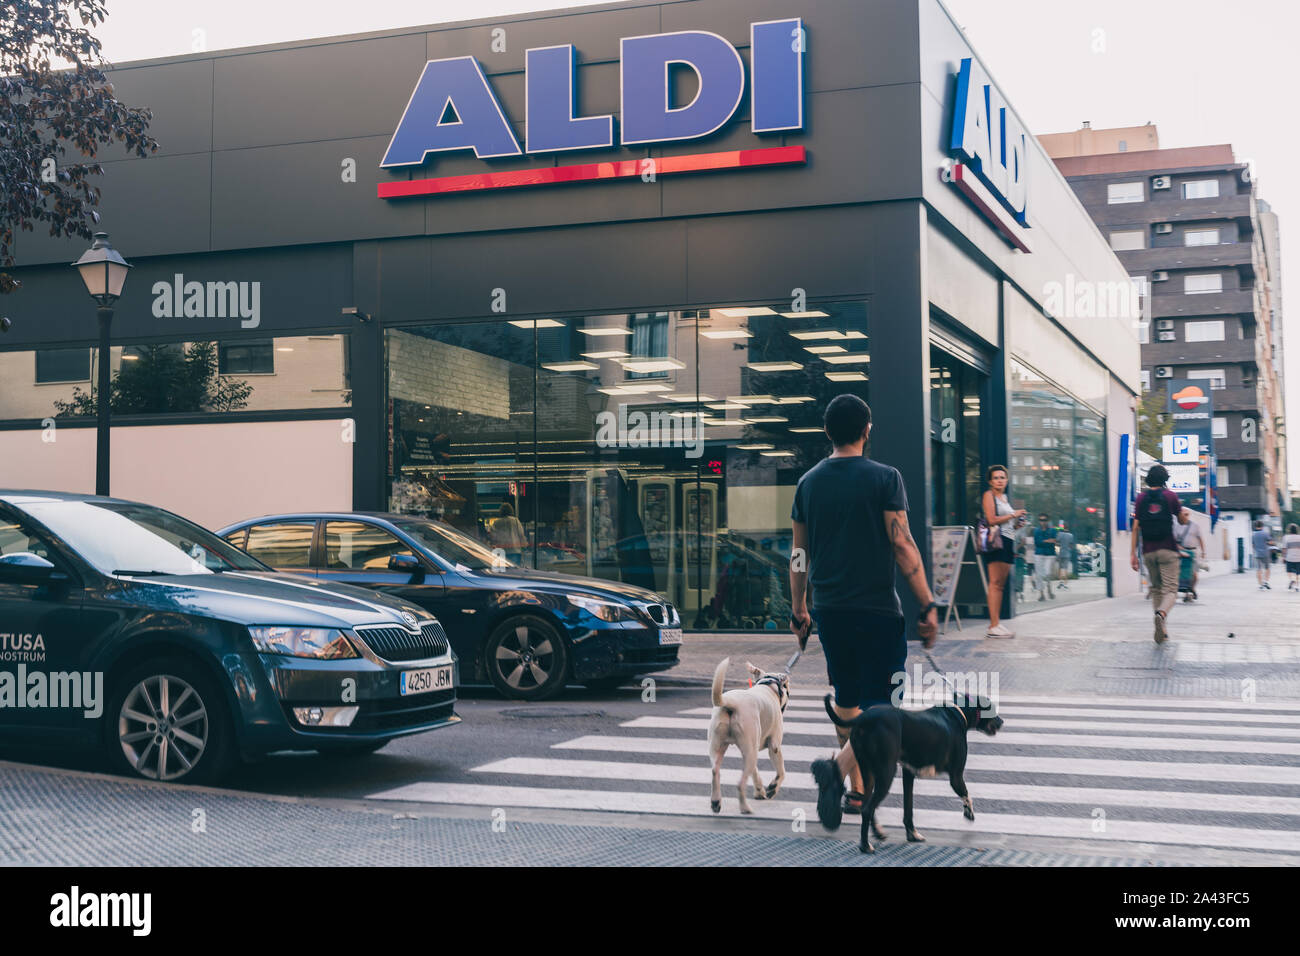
(851, 559)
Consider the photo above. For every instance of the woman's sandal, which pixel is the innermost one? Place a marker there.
(853, 803)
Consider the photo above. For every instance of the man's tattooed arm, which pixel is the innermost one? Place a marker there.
(908, 556)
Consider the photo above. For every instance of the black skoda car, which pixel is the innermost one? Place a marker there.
(527, 632)
(125, 626)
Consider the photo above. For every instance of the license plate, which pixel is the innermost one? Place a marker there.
(671, 635)
(423, 681)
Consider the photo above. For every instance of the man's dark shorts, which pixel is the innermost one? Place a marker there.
(863, 652)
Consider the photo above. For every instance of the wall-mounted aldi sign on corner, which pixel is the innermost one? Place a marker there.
(454, 108)
(990, 153)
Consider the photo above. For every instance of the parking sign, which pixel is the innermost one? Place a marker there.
(1181, 449)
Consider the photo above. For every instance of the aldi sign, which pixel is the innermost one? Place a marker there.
(453, 107)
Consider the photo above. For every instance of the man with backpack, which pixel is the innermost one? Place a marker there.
(1153, 521)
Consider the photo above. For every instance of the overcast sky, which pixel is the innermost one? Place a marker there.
(1203, 71)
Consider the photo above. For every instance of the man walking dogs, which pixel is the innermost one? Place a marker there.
(1153, 521)
(850, 532)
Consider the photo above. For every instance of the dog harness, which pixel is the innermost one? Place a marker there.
(776, 686)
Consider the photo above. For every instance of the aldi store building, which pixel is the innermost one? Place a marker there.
(600, 268)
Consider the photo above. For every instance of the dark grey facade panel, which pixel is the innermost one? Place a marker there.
(287, 195)
(300, 289)
(149, 207)
(180, 97)
(342, 90)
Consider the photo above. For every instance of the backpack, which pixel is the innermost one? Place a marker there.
(1155, 516)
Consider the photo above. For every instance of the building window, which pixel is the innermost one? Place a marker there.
(1215, 376)
(247, 358)
(1124, 192)
(1127, 240)
(1201, 237)
(1123, 146)
(1144, 333)
(1203, 283)
(62, 365)
(1145, 378)
(1204, 331)
(1201, 189)
(1226, 476)
(1220, 427)
(650, 346)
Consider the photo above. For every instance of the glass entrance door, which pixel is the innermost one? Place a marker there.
(956, 396)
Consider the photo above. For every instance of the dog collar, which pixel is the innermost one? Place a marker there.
(774, 684)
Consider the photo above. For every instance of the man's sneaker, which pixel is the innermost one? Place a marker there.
(1000, 631)
(830, 793)
(1162, 634)
(1267, 586)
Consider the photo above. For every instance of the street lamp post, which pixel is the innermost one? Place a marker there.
(103, 270)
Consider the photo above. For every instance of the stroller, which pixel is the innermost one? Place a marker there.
(1186, 572)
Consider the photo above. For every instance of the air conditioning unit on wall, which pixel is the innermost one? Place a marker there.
(1164, 371)
(1160, 276)
(1167, 336)
(1164, 228)
(1164, 325)
(1162, 182)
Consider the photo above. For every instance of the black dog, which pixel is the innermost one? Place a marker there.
(925, 742)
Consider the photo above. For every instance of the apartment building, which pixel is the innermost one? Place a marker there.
(1203, 250)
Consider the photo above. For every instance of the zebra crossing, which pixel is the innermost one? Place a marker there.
(1217, 774)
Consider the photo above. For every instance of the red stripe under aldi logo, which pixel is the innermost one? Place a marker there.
(622, 169)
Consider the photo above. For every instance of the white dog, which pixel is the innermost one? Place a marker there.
(751, 719)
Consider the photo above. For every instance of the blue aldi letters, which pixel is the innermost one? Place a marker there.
(987, 137)
(453, 106)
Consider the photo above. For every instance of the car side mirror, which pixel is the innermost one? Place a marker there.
(24, 567)
(403, 562)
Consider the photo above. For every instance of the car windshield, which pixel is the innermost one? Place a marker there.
(120, 537)
(455, 547)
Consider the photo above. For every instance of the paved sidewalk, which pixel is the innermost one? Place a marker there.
(1233, 635)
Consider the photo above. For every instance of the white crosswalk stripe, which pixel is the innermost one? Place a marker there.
(1225, 774)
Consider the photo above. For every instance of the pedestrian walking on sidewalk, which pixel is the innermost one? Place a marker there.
(1044, 558)
(1262, 542)
(1064, 556)
(850, 532)
(1188, 536)
(1001, 519)
(1291, 555)
(1153, 524)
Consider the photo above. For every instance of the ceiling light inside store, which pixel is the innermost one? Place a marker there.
(795, 399)
(806, 430)
(727, 334)
(763, 419)
(536, 324)
(690, 398)
(775, 366)
(606, 330)
(283, 348)
(725, 406)
(823, 349)
(806, 315)
(634, 389)
(652, 365)
(777, 454)
(744, 313)
(832, 335)
(570, 366)
(755, 447)
(847, 376)
(752, 399)
(130, 358)
(612, 353)
(848, 358)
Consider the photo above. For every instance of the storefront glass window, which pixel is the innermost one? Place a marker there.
(664, 450)
(1061, 482)
(183, 378)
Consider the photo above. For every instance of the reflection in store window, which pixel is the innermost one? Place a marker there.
(708, 531)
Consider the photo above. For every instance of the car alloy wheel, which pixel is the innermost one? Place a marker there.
(163, 727)
(526, 658)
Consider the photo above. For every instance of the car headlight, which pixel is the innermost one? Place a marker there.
(325, 643)
(605, 610)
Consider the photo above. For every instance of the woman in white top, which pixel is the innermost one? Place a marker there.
(1291, 555)
(1000, 517)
